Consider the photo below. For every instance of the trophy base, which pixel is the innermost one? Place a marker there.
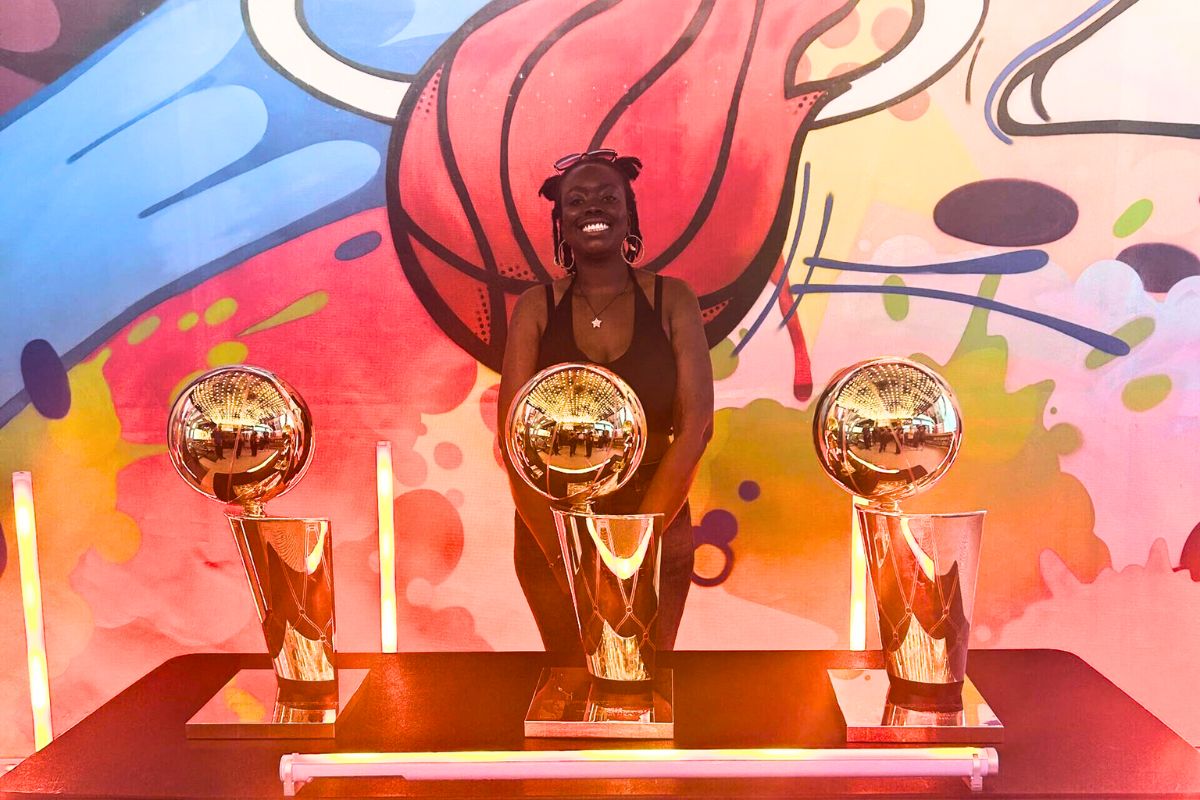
(570, 704)
(863, 695)
(247, 707)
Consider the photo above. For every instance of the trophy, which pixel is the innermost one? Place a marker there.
(886, 430)
(576, 433)
(242, 436)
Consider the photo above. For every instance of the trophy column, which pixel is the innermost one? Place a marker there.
(289, 565)
(613, 570)
(924, 569)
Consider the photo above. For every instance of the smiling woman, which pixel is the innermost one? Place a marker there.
(645, 328)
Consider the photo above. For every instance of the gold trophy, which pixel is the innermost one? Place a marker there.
(886, 430)
(576, 433)
(242, 436)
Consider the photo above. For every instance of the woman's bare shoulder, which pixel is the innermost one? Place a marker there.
(530, 307)
(677, 293)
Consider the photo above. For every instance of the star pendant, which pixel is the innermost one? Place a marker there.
(597, 322)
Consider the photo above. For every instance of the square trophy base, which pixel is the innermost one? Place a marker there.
(862, 695)
(246, 708)
(569, 704)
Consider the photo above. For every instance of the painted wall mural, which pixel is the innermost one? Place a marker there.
(345, 193)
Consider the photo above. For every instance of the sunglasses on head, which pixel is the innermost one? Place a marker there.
(603, 154)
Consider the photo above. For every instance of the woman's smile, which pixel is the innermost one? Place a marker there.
(594, 226)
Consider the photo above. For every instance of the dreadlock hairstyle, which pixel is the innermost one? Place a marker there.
(628, 167)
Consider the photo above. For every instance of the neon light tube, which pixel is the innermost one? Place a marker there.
(31, 604)
(858, 581)
(387, 547)
(970, 763)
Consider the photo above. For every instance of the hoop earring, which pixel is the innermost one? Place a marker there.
(633, 244)
(560, 257)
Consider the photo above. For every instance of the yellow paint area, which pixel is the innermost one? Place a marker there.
(232, 352)
(220, 311)
(75, 462)
(1143, 394)
(724, 362)
(304, 307)
(143, 329)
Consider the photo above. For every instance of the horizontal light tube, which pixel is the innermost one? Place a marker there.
(970, 763)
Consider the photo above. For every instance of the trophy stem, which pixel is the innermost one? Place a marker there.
(613, 564)
(924, 569)
(253, 508)
(289, 566)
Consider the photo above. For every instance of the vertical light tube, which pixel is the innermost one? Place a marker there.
(858, 581)
(387, 547)
(31, 604)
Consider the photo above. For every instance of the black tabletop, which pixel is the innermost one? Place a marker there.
(1068, 730)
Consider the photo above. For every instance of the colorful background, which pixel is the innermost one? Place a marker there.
(344, 192)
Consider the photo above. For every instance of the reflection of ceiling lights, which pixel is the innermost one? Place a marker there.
(576, 396)
(890, 391)
(239, 399)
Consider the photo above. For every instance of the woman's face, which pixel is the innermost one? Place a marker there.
(595, 219)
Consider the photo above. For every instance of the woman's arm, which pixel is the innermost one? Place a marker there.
(529, 319)
(693, 403)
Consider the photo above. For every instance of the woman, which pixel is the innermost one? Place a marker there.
(643, 327)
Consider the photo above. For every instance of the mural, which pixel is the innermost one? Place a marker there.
(345, 193)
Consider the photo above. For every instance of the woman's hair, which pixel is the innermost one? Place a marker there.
(628, 167)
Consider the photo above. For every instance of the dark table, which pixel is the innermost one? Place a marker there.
(1068, 730)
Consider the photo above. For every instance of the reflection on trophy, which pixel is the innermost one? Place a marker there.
(885, 430)
(575, 433)
(242, 436)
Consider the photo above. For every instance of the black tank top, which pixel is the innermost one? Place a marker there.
(648, 366)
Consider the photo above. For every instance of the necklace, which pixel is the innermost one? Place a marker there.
(596, 321)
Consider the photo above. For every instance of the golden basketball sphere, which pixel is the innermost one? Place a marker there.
(240, 435)
(887, 429)
(575, 432)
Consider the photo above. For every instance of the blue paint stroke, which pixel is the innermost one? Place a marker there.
(1027, 53)
(358, 246)
(1014, 263)
(787, 264)
(166, 157)
(825, 217)
(717, 529)
(46, 379)
(1103, 342)
(825, 229)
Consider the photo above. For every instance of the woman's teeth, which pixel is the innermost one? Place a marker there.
(595, 227)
